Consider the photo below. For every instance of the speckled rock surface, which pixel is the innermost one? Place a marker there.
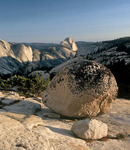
(82, 89)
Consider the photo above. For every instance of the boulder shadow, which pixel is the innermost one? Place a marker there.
(61, 131)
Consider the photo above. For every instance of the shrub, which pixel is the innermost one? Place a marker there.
(120, 136)
(26, 86)
(38, 84)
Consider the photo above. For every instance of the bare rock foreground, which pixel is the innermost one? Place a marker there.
(82, 89)
(32, 128)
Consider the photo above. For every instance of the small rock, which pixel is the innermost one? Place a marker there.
(8, 101)
(24, 107)
(90, 129)
(13, 93)
(2, 110)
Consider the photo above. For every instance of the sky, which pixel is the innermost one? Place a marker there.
(53, 20)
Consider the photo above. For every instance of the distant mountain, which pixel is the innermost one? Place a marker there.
(26, 55)
(106, 52)
(90, 47)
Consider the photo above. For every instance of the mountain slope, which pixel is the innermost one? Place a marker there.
(34, 58)
(90, 47)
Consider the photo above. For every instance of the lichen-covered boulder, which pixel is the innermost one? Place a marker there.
(82, 89)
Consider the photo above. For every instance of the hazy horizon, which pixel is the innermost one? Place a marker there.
(63, 40)
(52, 21)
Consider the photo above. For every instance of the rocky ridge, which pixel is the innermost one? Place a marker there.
(28, 59)
(85, 48)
